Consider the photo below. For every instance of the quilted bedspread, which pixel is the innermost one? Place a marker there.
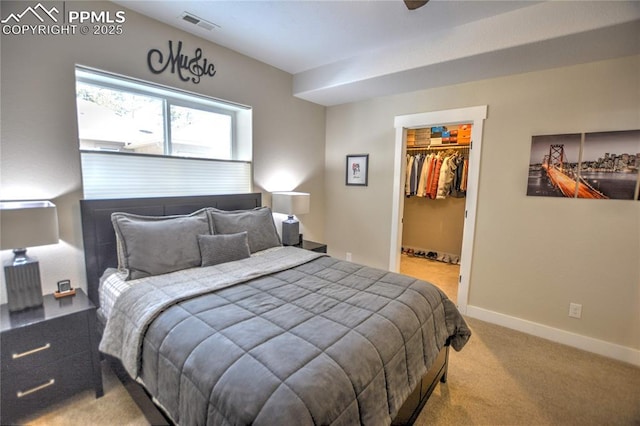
(290, 338)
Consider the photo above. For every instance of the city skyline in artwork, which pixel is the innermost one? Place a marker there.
(597, 165)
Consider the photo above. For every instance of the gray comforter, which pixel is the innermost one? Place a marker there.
(280, 339)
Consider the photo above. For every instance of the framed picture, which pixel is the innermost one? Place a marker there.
(64, 286)
(357, 171)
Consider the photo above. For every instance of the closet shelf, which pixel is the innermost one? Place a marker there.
(437, 147)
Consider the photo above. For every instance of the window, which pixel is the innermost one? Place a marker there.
(199, 133)
(126, 115)
(120, 115)
(117, 120)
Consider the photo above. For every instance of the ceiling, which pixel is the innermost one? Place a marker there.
(345, 51)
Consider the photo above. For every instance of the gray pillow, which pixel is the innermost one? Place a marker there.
(154, 245)
(257, 222)
(222, 248)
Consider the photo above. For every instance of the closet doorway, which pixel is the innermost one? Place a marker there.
(474, 116)
(434, 205)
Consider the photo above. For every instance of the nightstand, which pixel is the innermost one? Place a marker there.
(310, 245)
(48, 353)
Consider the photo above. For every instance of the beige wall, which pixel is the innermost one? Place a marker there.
(532, 255)
(39, 150)
(433, 225)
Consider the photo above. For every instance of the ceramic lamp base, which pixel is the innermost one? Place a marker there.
(23, 284)
(290, 232)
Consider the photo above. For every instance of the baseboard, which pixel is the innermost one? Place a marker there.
(589, 344)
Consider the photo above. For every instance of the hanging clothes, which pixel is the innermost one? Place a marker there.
(447, 174)
(456, 192)
(432, 184)
(422, 191)
(436, 175)
(465, 173)
(407, 185)
(418, 164)
(415, 167)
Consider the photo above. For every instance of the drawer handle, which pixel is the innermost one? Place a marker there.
(20, 394)
(32, 351)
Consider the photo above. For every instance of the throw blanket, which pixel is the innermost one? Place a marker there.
(309, 341)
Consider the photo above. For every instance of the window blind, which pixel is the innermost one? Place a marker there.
(118, 175)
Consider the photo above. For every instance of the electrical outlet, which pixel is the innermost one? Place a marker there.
(575, 310)
(348, 257)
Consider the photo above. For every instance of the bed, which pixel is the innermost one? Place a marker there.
(260, 334)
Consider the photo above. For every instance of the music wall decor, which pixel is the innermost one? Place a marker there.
(187, 67)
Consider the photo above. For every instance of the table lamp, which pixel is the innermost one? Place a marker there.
(25, 224)
(290, 203)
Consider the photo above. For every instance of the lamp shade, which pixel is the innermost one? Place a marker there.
(291, 203)
(27, 224)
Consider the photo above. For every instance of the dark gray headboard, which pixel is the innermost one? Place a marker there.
(99, 237)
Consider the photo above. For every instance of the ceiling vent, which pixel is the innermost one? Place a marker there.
(199, 22)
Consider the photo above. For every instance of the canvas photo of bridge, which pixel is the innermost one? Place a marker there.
(602, 165)
(553, 165)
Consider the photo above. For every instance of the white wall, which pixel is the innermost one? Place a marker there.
(532, 255)
(39, 142)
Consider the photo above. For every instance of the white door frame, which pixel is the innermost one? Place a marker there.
(475, 115)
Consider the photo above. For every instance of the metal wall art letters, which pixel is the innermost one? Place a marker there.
(188, 68)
